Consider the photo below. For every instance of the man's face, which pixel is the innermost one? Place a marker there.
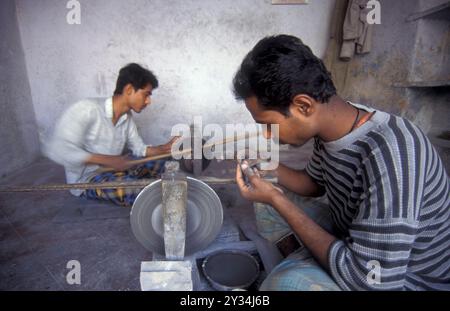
(293, 130)
(141, 98)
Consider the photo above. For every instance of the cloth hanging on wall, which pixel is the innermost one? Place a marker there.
(356, 31)
(337, 67)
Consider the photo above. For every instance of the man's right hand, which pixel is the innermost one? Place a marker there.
(118, 163)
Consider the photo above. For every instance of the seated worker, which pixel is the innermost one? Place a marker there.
(95, 132)
(387, 222)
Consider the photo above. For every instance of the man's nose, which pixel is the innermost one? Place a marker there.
(148, 101)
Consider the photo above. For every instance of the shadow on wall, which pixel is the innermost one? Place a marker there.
(19, 139)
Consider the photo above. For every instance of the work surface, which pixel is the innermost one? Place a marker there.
(41, 232)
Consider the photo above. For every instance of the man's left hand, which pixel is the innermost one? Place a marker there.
(258, 190)
(162, 149)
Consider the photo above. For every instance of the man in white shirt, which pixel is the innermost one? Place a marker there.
(96, 132)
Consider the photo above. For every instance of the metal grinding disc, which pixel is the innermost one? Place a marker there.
(203, 220)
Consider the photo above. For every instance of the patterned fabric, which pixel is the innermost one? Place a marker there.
(123, 196)
(272, 226)
(299, 271)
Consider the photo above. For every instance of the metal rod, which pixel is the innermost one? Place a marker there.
(187, 151)
(141, 183)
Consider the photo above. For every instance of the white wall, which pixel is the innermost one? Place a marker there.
(193, 46)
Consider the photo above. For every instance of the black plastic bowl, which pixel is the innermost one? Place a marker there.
(230, 269)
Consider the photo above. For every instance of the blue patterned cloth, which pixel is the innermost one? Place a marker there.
(123, 196)
(299, 271)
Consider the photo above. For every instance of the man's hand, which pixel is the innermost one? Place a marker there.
(167, 147)
(259, 190)
(161, 149)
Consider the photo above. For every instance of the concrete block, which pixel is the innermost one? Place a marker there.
(166, 276)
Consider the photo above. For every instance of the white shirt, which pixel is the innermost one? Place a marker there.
(87, 128)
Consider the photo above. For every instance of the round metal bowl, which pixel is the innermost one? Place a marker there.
(230, 270)
(204, 217)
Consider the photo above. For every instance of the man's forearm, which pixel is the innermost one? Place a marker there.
(118, 163)
(298, 181)
(314, 237)
(153, 151)
(99, 159)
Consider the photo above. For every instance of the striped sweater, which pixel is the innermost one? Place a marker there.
(389, 196)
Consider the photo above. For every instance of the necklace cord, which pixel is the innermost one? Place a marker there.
(356, 120)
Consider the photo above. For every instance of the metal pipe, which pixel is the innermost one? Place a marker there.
(141, 183)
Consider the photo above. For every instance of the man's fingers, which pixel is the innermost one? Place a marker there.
(243, 188)
(252, 174)
(247, 169)
(256, 171)
(254, 179)
(174, 139)
(239, 178)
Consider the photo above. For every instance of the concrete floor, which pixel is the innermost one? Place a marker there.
(41, 232)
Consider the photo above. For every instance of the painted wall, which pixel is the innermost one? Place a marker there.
(404, 52)
(19, 143)
(370, 77)
(193, 46)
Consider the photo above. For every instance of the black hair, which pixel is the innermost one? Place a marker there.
(277, 69)
(135, 75)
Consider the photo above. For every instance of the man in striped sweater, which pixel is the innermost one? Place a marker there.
(387, 189)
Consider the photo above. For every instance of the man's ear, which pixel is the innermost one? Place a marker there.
(303, 104)
(128, 89)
